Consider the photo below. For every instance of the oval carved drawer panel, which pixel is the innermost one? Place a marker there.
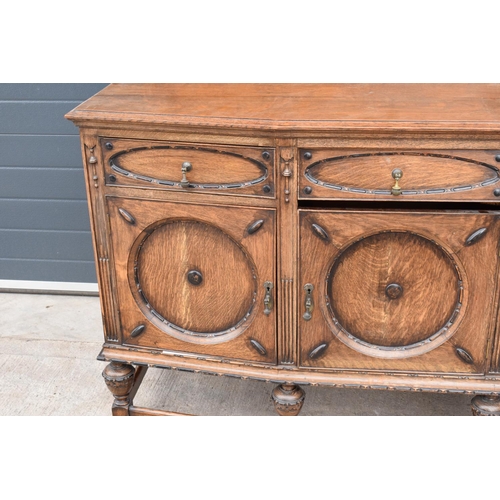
(189, 167)
(423, 175)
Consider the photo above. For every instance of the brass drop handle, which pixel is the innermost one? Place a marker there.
(186, 167)
(309, 301)
(268, 298)
(396, 175)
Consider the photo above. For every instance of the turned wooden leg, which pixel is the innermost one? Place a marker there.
(486, 406)
(288, 399)
(119, 378)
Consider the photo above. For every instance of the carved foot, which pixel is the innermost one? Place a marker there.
(486, 406)
(288, 399)
(119, 378)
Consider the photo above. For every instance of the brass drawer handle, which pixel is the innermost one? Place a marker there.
(186, 167)
(309, 301)
(268, 298)
(396, 175)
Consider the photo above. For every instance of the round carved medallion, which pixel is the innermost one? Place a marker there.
(394, 294)
(193, 280)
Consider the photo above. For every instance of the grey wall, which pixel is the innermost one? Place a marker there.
(44, 223)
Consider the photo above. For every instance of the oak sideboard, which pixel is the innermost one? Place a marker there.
(301, 234)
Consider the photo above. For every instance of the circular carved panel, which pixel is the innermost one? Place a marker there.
(394, 294)
(193, 280)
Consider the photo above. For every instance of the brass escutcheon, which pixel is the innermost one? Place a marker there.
(309, 304)
(268, 298)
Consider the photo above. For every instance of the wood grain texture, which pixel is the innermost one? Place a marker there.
(428, 175)
(494, 354)
(226, 294)
(138, 411)
(197, 197)
(437, 107)
(427, 277)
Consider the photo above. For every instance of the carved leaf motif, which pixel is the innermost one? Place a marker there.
(318, 351)
(258, 347)
(138, 330)
(464, 356)
(255, 226)
(286, 154)
(128, 217)
(320, 232)
(476, 236)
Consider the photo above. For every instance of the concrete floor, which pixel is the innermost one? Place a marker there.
(48, 349)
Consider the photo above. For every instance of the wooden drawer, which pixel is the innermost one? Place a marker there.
(398, 290)
(433, 175)
(213, 169)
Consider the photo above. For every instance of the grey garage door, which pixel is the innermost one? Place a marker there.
(44, 224)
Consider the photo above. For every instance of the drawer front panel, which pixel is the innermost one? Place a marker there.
(400, 175)
(192, 278)
(189, 168)
(397, 290)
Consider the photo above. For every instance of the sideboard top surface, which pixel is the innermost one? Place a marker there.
(430, 107)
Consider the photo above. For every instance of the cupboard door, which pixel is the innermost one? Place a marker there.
(411, 291)
(195, 279)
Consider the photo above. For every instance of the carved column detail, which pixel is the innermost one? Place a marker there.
(110, 328)
(288, 399)
(287, 253)
(287, 340)
(486, 406)
(99, 221)
(92, 160)
(286, 160)
(119, 378)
